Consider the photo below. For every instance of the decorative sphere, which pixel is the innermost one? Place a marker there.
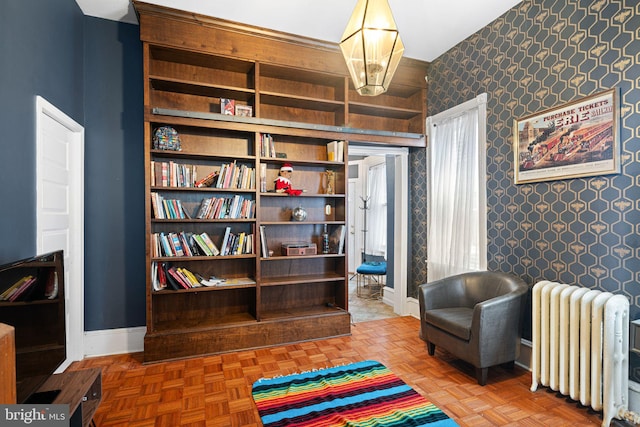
(299, 214)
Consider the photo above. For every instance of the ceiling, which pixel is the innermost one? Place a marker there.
(428, 27)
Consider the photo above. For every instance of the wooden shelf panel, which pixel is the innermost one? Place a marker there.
(295, 280)
(201, 156)
(205, 323)
(306, 312)
(383, 111)
(202, 258)
(205, 189)
(200, 221)
(54, 301)
(188, 87)
(270, 125)
(295, 162)
(303, 102)
(300, 223)
(292, 80)
(200, 67)
(304, 195)
(205, 289)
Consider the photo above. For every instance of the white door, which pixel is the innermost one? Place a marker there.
(60, 206)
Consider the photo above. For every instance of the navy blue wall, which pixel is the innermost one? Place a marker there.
(41, 51)
(114, 185)
(91, 69)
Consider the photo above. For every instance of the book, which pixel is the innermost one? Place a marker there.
(193, 280)
(202, 245)
(51, 286)
(155, 280)
(208, 180)
(162, 278)
(335, 151)
(225, 241)
(263, 243)
(236, 281)
(177, 246)
(336, 240)
(11, 289)
(212, 281)
(172, 274)
(332, 149)
(209, 243)
(171, 280)
(340, 151)
(18, 293)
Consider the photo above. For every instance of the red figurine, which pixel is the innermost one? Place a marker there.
(283, 182)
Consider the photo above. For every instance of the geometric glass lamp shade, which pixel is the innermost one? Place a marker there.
(371, 47)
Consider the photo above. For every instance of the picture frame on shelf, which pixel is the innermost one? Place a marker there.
(227, 106)
(244, 110)
(577, 139)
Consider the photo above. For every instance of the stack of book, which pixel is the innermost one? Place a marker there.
(182, 244)
(267, 147)
(20, 290)
(165, 276)
(236, 243)
(172, 174)
(233, 176)
(236, 207)
(167, 208)
(335, 151)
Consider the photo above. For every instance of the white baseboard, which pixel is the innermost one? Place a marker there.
(634, 397)
(412, 308)
(388, 296)
(114, 341)
(524, 359)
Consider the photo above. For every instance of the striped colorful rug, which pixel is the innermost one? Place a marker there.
(359, 394)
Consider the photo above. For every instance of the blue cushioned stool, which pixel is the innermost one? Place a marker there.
(370, 278)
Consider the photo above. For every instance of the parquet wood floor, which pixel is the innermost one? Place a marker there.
(216, 390)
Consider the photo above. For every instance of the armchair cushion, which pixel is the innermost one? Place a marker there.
(455, 320)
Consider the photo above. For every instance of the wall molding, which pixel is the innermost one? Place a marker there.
(114, 341)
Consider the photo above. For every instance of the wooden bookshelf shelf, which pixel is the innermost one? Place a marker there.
(304, 102)
(206, 323)
(200, 89)
(294, 280)
(315, 311)
(384, 111)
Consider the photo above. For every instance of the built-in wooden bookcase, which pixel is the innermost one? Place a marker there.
(302, 101)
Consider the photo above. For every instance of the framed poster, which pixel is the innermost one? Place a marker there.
(575, 140)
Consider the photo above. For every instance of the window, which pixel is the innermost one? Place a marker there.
(456, 176)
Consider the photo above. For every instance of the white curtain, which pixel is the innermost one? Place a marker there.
(456, 240)
(377, 214)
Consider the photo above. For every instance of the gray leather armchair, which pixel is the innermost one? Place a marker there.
(475, 316)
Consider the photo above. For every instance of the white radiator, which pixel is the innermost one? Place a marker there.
(581, 346)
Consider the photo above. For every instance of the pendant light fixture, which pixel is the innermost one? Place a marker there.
(371, 46)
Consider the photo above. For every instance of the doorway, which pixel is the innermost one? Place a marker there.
(60, 210)
(396, 158)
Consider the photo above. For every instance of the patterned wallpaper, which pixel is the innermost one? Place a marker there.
(542, 54)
